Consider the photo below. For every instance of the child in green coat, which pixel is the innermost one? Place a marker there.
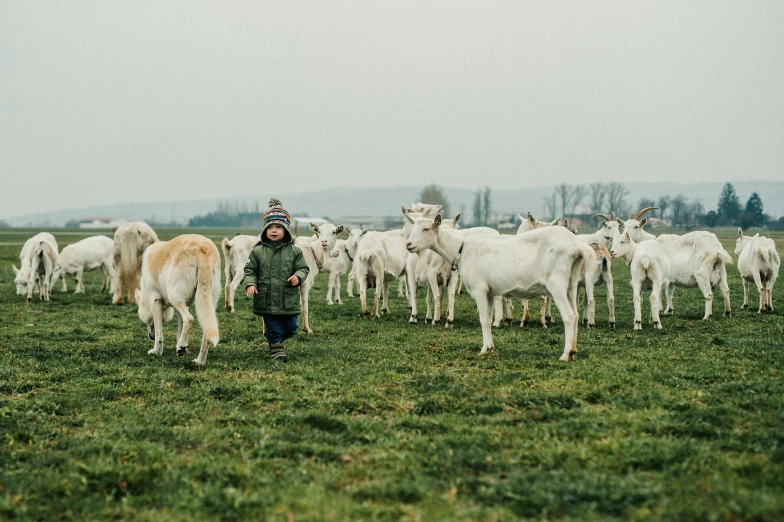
(273, 274)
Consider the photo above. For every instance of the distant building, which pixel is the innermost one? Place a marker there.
(303, 222)
(373, 222)
(101, 222)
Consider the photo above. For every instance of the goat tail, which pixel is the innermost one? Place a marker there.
(45, 249)
(584, 255)
(208, 287)
(226, 248)
(128, 261)
(765, 255)
(726, 257)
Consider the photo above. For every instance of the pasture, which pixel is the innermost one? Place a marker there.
(383, 420)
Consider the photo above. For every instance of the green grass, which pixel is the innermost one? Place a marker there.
(382, 420)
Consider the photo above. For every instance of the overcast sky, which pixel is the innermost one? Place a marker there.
(116, 101)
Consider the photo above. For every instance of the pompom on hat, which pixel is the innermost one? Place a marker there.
(275, 213)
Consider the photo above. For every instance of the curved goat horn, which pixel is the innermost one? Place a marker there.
(631, 213)
(605, 216)
(643, 211)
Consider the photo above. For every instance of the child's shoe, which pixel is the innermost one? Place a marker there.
(277, 352)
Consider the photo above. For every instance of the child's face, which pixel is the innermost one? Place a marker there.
(275, 232)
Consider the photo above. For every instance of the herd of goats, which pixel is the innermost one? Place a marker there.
(543, 260)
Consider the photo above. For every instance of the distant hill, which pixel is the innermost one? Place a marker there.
(339, 203)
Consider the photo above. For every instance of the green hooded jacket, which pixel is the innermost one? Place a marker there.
(269, 266)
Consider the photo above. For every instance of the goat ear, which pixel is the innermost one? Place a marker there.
(457, 217)
(531, 219)
(626, 236)
(556, 222)
(620, 221)
(740, 233)
(437, 221)
(347, 230)
(404, 209)
(364, 232)
(521, 218)
(16, 270)
(314, 227)
(339, 230)
(408, 218)
(643, 221)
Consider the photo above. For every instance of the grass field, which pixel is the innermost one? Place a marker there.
(383, 420)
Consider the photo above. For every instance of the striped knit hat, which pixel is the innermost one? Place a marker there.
(275, 213)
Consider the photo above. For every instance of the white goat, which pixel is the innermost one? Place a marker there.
(650, 269)
(341, 257)
(316, 250)
(697, 259)
(758, 263)
(381, 258)
(530, 223)
(526, 225)
(351, 250)
(235, 254)
(175, 274)
(610, 230)
(427, 267)
(83, 256)
(22, 274)
(130, 242)
(634, 225)
(540, 262)
(41, 266)
(595, 271)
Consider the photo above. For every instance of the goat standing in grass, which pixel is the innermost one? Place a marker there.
(758, 263)
(545, 261)
(649, 268)
(316, 251)
(25, 279)
(235, 255)
(130, 242)
(85, 255)
(175, 274)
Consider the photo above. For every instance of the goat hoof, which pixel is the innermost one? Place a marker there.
(727, 314)
(182, 350)
(744, 307)
(448, 325)
(612, 325)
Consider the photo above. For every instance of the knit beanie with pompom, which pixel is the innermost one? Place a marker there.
(275, 213)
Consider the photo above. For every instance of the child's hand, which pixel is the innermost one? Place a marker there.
(294, 280)
(251, 290)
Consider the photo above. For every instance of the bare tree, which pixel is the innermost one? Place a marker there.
(578, 194)
(697, 210)
(616, 197)
(434, 195)
(486, 204)
(678, 205)
(564, 194)
(550, 207)
(647, 202)
(598, 193)
(664, 204)
(478, 209)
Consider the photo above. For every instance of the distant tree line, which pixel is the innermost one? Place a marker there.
(678, 211)
(225, 219)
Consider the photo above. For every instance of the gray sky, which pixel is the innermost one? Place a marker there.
(115, 101)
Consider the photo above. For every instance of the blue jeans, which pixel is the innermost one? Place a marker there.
(279, 327)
